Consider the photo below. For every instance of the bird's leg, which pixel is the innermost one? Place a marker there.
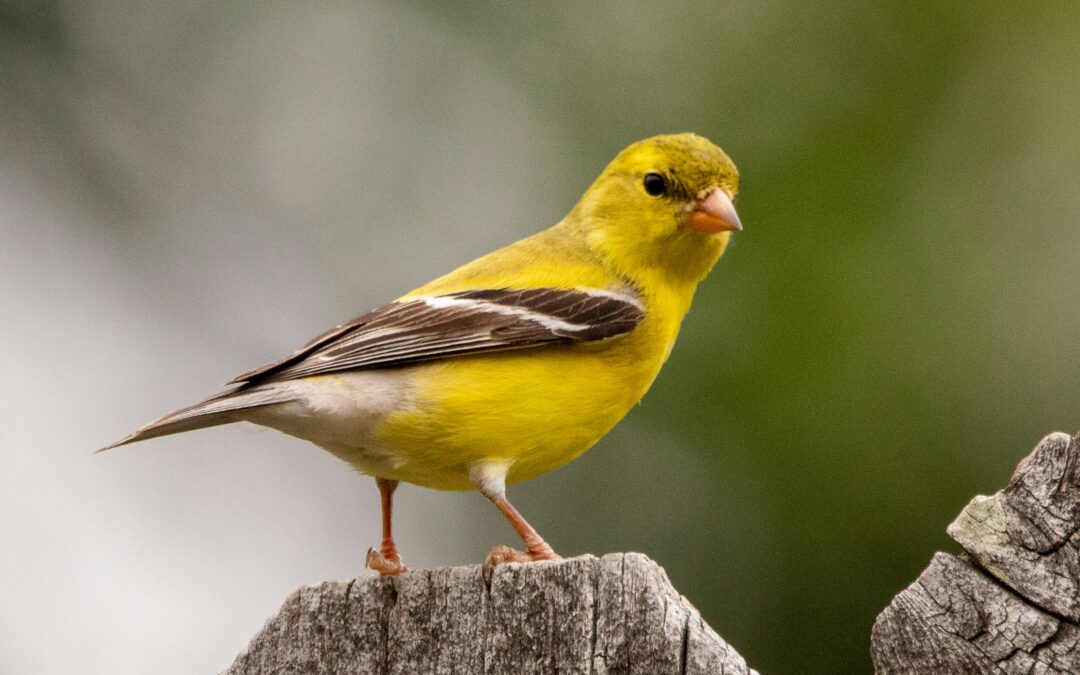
(387, 560)
(491, 481)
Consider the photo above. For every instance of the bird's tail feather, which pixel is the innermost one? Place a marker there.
(218, 409)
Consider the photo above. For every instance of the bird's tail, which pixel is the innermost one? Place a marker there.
(218, 409)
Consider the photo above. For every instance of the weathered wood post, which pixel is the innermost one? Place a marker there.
(605, 616)
(1011, 602)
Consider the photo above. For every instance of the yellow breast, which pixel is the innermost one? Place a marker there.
(535, 409)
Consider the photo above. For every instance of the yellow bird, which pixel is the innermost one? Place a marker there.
(515, 363)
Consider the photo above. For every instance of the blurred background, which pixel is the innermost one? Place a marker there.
(189, 190)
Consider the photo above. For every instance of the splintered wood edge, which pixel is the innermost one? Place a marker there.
(1011, 602)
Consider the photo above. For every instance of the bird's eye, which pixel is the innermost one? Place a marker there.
(655, 184)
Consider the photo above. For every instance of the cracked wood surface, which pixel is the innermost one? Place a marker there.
(1011, 602)
(596, 616)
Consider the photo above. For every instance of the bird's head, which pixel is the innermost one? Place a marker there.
(663, 207)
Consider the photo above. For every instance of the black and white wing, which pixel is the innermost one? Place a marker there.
(441, 326)
(420, 329)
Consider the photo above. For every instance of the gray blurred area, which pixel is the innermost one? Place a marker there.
(189, 190)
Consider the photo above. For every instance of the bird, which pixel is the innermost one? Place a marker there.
(511, 365)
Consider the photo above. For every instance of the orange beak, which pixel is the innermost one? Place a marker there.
(713, 212)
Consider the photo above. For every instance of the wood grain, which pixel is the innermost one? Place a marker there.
(1011, 602)
(616, 615)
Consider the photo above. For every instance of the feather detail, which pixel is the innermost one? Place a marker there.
(218, 409)
(442, 326)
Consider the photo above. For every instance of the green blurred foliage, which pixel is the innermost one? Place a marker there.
(894, 330)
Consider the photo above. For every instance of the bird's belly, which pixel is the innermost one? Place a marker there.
(429, 423)
(534, 411)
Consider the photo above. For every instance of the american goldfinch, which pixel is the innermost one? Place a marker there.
(515, 363)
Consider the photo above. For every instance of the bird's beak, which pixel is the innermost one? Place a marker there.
(713, 212)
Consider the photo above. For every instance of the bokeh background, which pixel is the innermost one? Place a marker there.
(188, 190)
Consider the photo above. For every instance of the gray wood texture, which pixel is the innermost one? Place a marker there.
(1011, 602)
(614, 615)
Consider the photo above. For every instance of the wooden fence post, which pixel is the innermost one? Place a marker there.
(604, 616)
(1011, 602)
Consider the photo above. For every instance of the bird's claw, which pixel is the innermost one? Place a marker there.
(386, 563)
(501, 553)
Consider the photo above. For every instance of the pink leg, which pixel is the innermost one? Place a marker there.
(386, 561)
(493, 487)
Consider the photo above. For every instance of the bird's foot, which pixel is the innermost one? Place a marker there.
(385, 561)
(503, 554)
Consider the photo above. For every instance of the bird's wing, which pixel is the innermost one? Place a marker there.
(434, 327)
